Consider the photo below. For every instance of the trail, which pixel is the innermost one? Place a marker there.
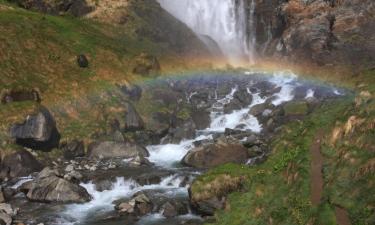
(317, 181)
(316, 169)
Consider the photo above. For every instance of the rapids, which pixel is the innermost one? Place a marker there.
(166, 158)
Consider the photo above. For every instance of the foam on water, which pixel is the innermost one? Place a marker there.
(285, 80)
(168, 155)
(240, 119)
(310, 94)
(102, 201)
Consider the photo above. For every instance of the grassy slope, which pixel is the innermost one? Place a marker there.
(39, 51)
(278, 191)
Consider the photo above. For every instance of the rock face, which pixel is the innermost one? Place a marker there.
(20, 164)
(38, 132)
(317, 31)
(48, 186)
(110, 149)
(211, 155)
(133, 121)
(73, 149)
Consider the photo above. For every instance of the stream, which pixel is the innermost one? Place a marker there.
(167, 179)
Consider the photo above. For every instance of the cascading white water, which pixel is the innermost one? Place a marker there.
(230, 23)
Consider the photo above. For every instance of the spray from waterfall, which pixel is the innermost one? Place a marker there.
(229, 23)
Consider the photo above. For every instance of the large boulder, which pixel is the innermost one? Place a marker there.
(49, 186)
(211, 155)
(19, 164)
(110, 149)
(6, 214)
(37, 132)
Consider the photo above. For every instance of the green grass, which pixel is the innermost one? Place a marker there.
(279, 189)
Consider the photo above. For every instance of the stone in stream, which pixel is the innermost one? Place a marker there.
(19, 164)
(173, 208)
(110, 149)
(139, 205)
(49, 186)
(211, 155)
(38, 131)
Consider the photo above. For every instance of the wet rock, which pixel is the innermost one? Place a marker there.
(151, 178)
(212, 155)
(49, 186)
(19, 164)
(82, 61)
(73, 149)
(201, 118)
(185, 131)
(258, 110)
(140, 161)
(37, 132)
(169, 210)
(233, 105)
(243, 97)
(109, 149)
(133, 121)
(5, 219)
(6, 214)
(139, 205)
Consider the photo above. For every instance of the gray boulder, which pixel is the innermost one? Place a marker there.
(6, 214)
(110, 149)
(37, 132)
(49, 186)
(19, 164)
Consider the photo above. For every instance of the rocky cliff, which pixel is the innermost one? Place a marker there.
(325, 32)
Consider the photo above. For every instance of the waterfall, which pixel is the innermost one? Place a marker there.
(230, 23)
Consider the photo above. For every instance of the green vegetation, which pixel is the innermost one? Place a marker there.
(278, 191)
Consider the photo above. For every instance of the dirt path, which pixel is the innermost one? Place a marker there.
(316, 170)
(317, 181)
(342, 217)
